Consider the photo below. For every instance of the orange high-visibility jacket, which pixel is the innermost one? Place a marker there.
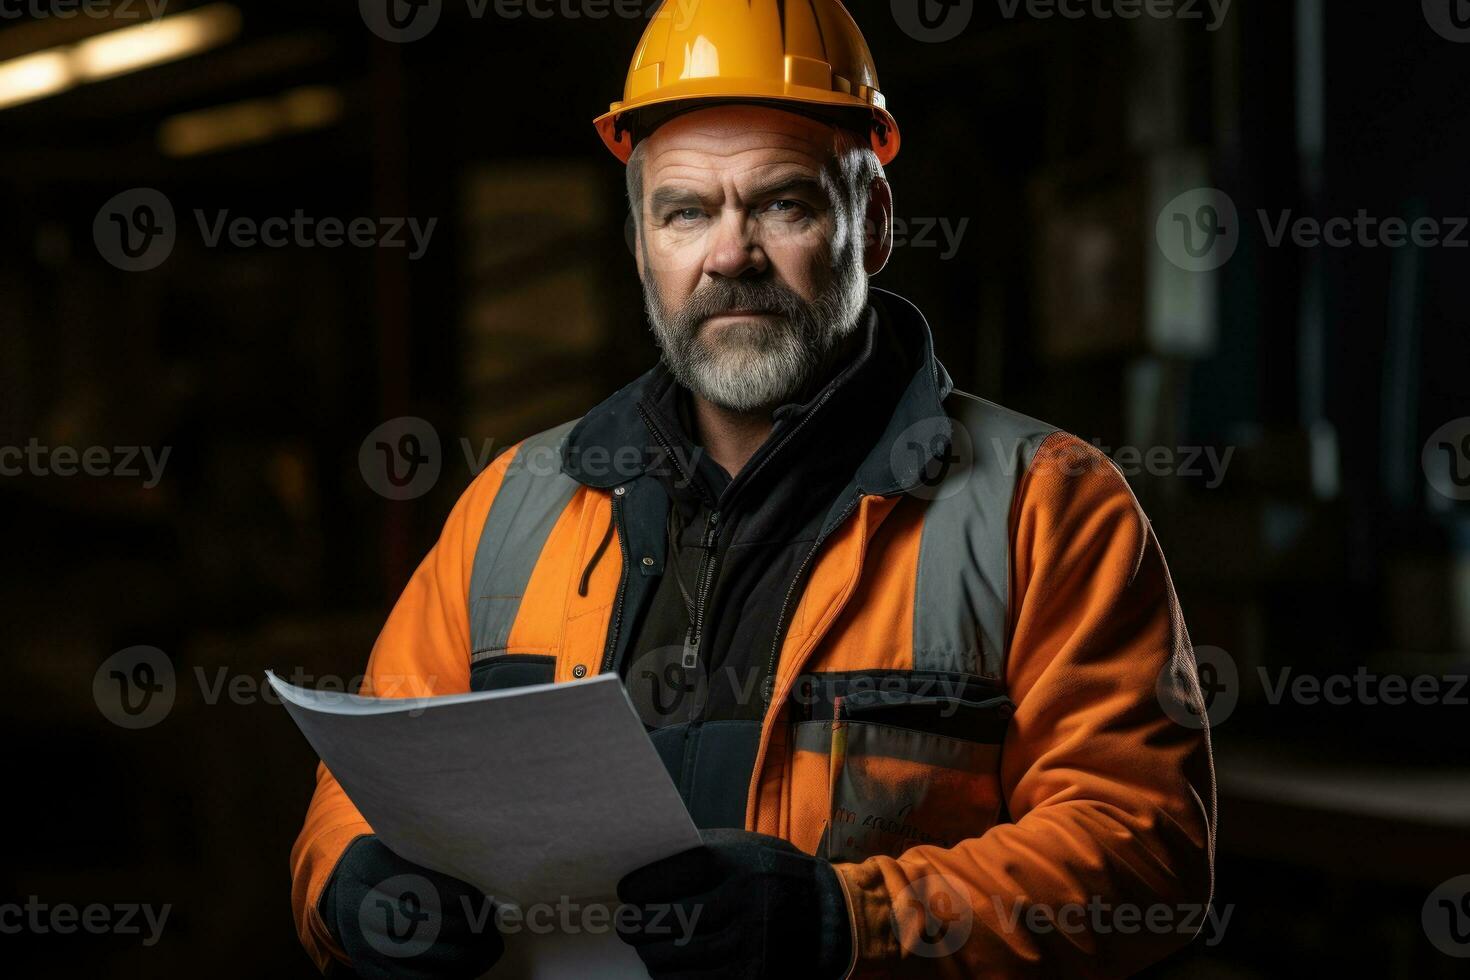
(1028, 566)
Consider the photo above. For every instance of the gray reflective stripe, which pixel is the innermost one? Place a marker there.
(532, 495)
(962, 584)
(813, 736)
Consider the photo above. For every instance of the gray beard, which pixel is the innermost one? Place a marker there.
(757, 364)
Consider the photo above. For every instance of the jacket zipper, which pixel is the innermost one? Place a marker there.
(617, 621)
(693, 636)
(768, 686)
(669, 451)
(701, 595)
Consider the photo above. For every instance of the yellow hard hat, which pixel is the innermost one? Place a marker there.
(805, 55)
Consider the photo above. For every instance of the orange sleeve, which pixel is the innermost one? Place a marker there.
(1112, 802)
(424, 649)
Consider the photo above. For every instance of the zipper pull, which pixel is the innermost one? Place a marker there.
(691, 650)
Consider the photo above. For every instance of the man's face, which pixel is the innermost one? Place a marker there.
(752, 263)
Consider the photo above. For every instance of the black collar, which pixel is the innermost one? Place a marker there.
(611, 444)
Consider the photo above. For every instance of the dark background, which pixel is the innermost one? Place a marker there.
(1324, 550)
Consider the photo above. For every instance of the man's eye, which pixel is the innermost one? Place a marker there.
(686, 214)
(786, 206)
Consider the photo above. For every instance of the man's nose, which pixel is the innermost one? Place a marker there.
(734, 250)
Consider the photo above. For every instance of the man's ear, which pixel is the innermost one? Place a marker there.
(878, 226)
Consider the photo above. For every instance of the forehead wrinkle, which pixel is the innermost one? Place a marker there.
(716, 134)
(686, 158)
(699, 180)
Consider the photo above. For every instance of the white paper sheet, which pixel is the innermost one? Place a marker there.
(535, 795)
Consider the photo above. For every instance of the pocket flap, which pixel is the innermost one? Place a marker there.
(974, 721)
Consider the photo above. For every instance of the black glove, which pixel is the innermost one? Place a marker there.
(742, 905)
(394, 918)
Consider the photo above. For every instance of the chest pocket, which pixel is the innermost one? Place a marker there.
(914, 761)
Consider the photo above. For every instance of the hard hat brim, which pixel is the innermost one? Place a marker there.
(618, 136)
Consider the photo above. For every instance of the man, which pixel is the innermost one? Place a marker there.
(910, 658)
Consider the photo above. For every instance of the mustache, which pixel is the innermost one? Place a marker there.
(723, 295)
